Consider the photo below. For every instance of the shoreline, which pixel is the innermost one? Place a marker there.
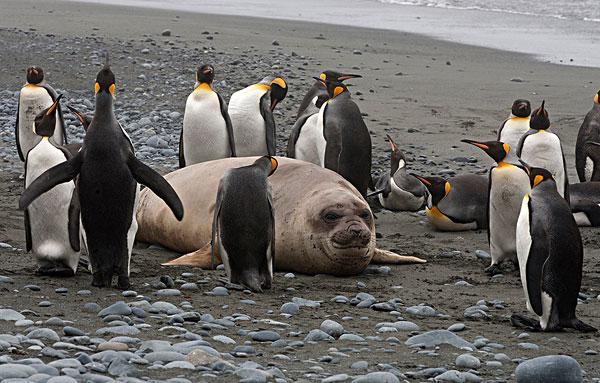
(546, 37)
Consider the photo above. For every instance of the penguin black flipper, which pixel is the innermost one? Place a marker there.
(127, 137)
(272, 228)
(53, 96)
(21, 156)
(566, 189)
(28, 242)
(536, 261)
(296, 130)
(215, 226)
(522, 141)
(500, 130)
(228, 125)
(74, 219)
(333, 147)
(383, 186)
(487, 213)
(146, 176)
(267, 115)
(58, 174)
(181, 154)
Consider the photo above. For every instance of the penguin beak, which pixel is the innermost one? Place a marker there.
(423, 180)
(80, 116)
(526, 167)
(345, 77)
(393, 145)
(274, 103)
(320, 80)
(541, 109)
(53, 107)
(478, 144)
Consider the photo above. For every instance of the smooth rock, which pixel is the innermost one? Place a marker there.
(377, 377)
(332, 328)
(435, 338)
(549, 369)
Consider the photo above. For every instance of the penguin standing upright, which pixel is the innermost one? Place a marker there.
(508, 183)
(587, 160)
(52, 220)
(516, 125)
(319, 90)
(34, 97)
(542, 149)
(348, 142)
(457, 204)
(108, 190)
(306, 141)
(243, 230)
(398, 190)
(550, 255)
(207, 133)
(251, 111)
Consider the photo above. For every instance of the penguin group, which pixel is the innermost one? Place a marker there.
(526, 204)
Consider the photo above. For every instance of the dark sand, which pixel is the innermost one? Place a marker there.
(425, 93)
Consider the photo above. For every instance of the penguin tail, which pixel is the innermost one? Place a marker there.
(582, 327)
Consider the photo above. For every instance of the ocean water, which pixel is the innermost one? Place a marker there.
(557, 31)
(587, 10)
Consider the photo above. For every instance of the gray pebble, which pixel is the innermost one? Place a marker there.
(377, 377)
(264, 336)
(467, 361)
(317, 336)
(549, 369)
(332, 328)
(117, 308)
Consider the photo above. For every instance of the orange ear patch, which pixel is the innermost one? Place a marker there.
(274, 164)
(96, 88)
(596, 101)
(506, 148)
(111, 89)
(322, 76)
(337, 91)
(447, 188)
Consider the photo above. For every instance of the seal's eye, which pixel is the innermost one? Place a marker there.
(366, 215)
(331, 217)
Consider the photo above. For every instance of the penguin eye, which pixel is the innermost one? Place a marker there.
(331, 216)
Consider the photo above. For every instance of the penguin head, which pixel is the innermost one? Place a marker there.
(539, 175)
(437, 187)
(597, 98)
(35, 75)
(279, 89)
(521, 108)
(83, 119)
(397, 160)
(334, 87)
(539, 118)
(45, 121)
(495, 149)
(330, 75)
(205, 74)
(268, 163)
(105, 82)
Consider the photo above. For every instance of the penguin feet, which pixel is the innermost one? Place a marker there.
(56, 271)
(100, 279)
(123, 282)
(521, 321)
(582, 327)
(493, 269)
(231, 286)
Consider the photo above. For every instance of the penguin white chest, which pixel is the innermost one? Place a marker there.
(310, 145)
(32, 100)
(523, 241)
(509, 185)
(205, 135)
(589, 168)
(249, 127)
(543, 150)
(48, 214)
(513, 130)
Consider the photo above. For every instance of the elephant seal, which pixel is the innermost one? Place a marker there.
(322, 223)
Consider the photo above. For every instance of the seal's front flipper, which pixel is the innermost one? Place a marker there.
(63, 172)
(199, 258)
(146, 176)
(385, 256)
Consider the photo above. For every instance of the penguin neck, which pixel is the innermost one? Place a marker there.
(397, 165)
(512, 117)
(203, 86)
(104, 105)
(545, 187)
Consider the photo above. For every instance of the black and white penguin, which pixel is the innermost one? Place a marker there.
(587, 158)
(541, 148)
(319, 90)
(516, 125)
(508, 183)
(243, 231)
(398, 190)
(251, 111)
(108, 188)
(52, 220)
(550, 255)
(585, 203)
(348, 142)
(35, 96)
(207, 133)
(306, 141)
(457, 204)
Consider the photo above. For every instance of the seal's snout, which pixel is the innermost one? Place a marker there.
(355, 235)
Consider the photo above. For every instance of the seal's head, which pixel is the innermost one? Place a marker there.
(342, 229)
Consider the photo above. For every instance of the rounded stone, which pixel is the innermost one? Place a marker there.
(265, 336)
(467, 361)
(549, 369)
(290, 308)
(332, 328)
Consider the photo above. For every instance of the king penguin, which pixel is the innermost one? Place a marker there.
(108, 188)
(243, 231)
(319, 90)
(348, 142)
(585, 203)
(398, 190)
(516, 125)
(540, 148)
(586, 156)
(34, 97)
(457, 204)
(251, 111)
(550, 255)
(52, 220)
(207, 133)
(306, 141)
(508, 183)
